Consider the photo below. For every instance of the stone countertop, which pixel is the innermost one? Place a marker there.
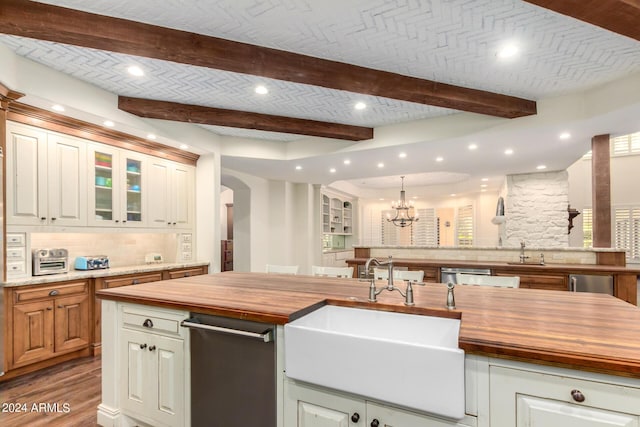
(514, 266)
(593, 332)
(107, 272)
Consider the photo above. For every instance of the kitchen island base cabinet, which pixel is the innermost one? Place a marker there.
(522, 398)
(311, 406)
(145, 375)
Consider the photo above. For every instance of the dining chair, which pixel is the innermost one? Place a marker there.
(497, 281)
(282, 269)
(345, 272)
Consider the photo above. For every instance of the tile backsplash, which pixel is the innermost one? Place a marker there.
(123, 249)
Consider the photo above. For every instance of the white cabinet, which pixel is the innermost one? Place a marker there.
(306, 405)
(337, 215)
(117, 195)
(170, 194)
(152, 374)
(46, 182)
(523, 398)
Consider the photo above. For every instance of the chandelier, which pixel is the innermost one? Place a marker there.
(405, 213)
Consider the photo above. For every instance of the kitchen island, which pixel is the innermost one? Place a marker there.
(586, 342)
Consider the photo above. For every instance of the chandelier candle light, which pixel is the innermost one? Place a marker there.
(405, 213)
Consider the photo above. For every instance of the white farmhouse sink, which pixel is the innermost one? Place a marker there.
(404, 359)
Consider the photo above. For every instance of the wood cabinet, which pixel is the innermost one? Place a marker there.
(153, 370)
(549, 281)
(170, 194)
(526, 398)
(226, 255)
(46, 178)
(48, 321)
(185, 272)
(118, 187)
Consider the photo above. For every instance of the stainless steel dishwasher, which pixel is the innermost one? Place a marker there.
(233, 372)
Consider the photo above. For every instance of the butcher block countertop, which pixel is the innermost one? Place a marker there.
(593, 332)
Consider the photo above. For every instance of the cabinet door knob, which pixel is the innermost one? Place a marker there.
(174, 223)
(117, 221)
(53, 219)
(355, 417)
(124, 220)
(143, 346)
(43, 218)
(49, 308)
(152, 348)
(187, 274)
(60, 306)
(135, 281)
(53, 293)
(147, 323)
(375, 423)
(577, 395)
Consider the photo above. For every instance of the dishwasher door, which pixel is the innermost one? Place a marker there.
(591, 283)
(233, 372)
(448, 274)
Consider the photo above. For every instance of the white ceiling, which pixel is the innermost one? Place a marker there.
(447, 41)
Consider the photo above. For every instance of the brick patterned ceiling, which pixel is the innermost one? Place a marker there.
(447, 41)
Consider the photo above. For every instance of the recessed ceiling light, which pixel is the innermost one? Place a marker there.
(565, 135)
(381, 199)
(402, 155)
(134, 70)
(508, 51)
(540, 167)
(381, 165)
(57, 107)
(453, 194)
(414, 197)
(483, 185)
(360, 105)
(508, 151)
(183, 146)
(109, 123)
(298, 167)
(439, 159)
(151, 136)
(484, 179)
(472, 146)
(261, 90)
(347, 162)
(484, 190)
(332, 170)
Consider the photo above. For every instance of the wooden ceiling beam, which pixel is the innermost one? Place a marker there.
(619, 16)
(240, 119)
(53, 23)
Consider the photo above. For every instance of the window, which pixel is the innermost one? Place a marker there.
(465, 226)
(627, 231)
(422, 232)
(587, 227)
(621, 146)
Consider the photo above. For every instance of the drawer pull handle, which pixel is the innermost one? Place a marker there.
(53, 293)
(152, 348)
(60, 306)
(577, 396)
(135, 282)
(143, 346)
(49, 308)
(147, 323)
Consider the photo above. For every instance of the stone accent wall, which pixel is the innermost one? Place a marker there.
(536, 210)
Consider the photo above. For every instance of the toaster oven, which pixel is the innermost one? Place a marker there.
(50, 261)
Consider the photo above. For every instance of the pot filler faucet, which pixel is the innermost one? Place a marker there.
(373, 292)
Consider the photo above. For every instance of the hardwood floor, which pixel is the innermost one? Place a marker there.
(63, 395)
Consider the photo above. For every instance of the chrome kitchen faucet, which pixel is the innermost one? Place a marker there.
(373, 292)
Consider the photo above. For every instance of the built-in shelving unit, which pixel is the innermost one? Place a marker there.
(337, 215)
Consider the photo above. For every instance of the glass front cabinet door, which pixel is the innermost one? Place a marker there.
(116, 198)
